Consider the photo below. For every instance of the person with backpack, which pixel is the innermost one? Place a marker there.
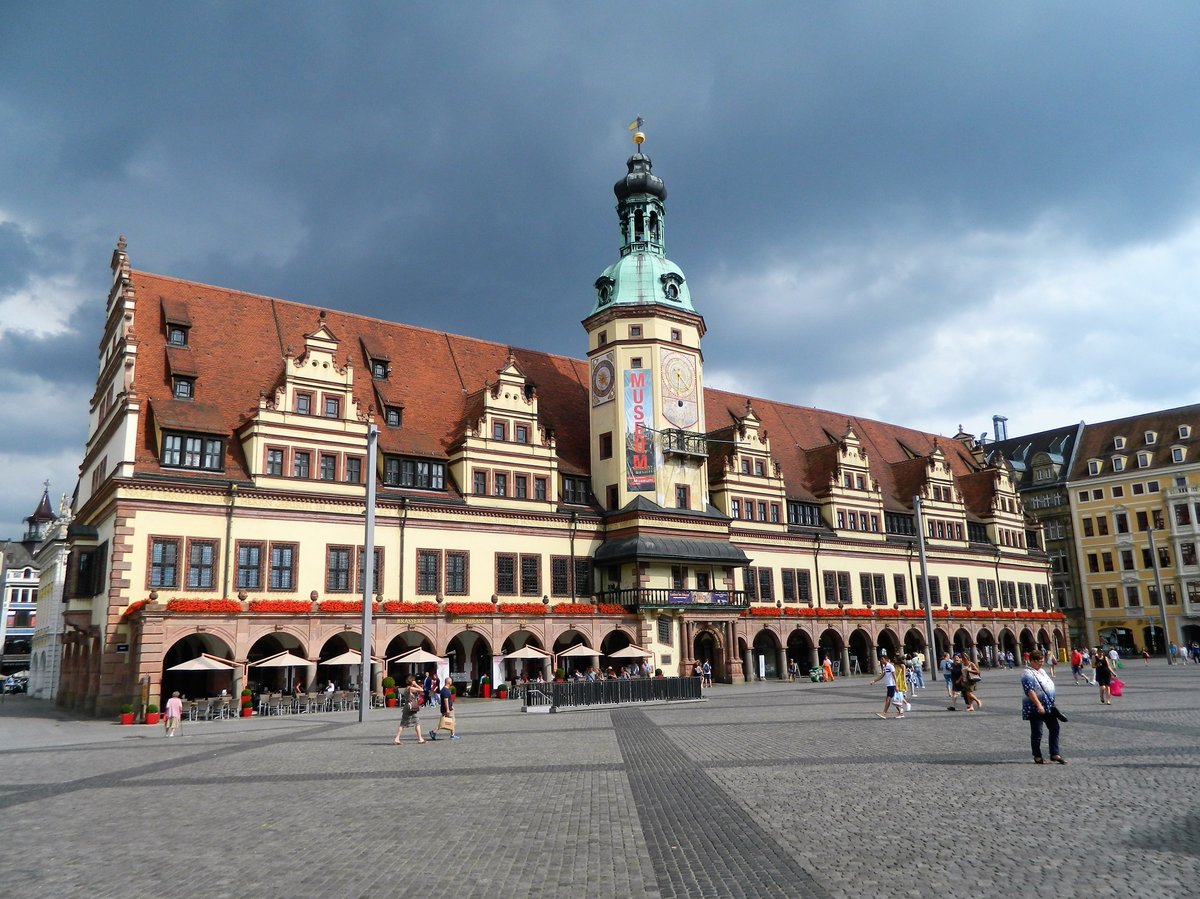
(410, 705)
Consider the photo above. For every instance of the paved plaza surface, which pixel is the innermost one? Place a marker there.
(762, 790)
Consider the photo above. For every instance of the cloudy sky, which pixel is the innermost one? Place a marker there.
(925, 213)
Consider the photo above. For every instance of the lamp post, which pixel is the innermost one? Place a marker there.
(364, 681)
(1162, 599)
(930, 636)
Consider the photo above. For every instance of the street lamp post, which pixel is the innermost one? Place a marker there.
(368, 562)
(929, 632)
(1162, 598)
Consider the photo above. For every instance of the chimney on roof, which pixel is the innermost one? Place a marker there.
(1000, 427)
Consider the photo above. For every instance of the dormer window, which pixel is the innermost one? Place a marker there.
(177, 335)
(498, 430)
(1094, 466)
(1151, 438)
(304, 404)
(379, 370)
(183, 388)
(1178, 454)
(521, 433)
(1185, 432)
(391, 416)
(192, 451)
(1118, 463)
(333, 407)
(1143, 460)
(1118, 443)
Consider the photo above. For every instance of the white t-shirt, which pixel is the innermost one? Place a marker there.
(889, 674)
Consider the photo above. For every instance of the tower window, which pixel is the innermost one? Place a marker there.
(635, 331)
(671, 291)
(602, 338)
(635, 362)
(676, 336)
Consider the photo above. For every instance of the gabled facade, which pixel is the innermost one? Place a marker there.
(1135, 506)
(523, 498)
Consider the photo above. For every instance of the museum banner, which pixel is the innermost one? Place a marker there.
(639, 446)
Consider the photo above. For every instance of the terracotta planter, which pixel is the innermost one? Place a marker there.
(152, 717)
(127, 718)
(503, 694)
(247, 712)
(392, 702)
(487, 691)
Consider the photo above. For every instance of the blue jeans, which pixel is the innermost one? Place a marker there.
(1035, 733)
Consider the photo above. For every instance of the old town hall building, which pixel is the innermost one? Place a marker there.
(524, 499)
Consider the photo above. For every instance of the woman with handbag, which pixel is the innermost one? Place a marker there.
(970, 682)
(409, 706)
(1104, 675)
(1038, 708)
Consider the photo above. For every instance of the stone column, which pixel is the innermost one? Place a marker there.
(748, 665)
(846, 661)
(781, 663)
(815, 659)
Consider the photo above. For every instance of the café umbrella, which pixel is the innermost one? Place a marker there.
(629, 652)
(205, 662)
(283, 659)
(527, 652)
(416, 657)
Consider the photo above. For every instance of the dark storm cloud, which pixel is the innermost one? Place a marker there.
(451, 165)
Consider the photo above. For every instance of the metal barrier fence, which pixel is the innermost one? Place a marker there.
(575, 694)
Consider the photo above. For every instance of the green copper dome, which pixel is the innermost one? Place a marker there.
(643, 276)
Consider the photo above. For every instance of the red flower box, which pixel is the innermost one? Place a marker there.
(414, 608)
(522, 608)
(220, 606)
(573, 608)
(340, 605)
(134, 608)
(293, 606)
(470, 608)
(610, 608)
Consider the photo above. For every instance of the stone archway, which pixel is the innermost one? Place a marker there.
(963, 642)
(529, 669)
(831, 646)
(571, 665)
(862, 654)
(942, 642)
(197, 684)
(403, 642)
(708, 647)
(766, 652)
(470, 656)
(985, 645)
(1028, 644)
(800, 650)
(887, 641)
(1007, 643)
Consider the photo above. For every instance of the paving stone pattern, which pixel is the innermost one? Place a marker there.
(763, 790)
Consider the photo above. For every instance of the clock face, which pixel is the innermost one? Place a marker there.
(603, 377)
(678, 376)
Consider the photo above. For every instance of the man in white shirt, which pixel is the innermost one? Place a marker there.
(887, 673)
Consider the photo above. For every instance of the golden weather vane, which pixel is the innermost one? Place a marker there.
(636, 127)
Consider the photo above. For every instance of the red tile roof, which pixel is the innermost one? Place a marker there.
(238, 342)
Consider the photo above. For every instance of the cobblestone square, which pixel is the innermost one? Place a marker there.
(767, 789)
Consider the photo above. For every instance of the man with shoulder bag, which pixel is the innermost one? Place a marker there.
(446, 721)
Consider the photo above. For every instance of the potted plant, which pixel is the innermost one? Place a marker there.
(152, 714)
(247, 703)
(559, 675)
(127, 714)
(485, 685)
(658, 672)
(502, 691)
(454, 691)
(389, 692)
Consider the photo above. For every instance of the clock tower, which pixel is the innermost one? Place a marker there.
(646, 369)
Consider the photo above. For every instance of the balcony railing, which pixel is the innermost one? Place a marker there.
(684, 443)
(662, 598)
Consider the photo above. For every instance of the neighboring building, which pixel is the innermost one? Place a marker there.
(1040, 464)
(524, 499)
(51, 560)
(18, 591)
(1135, 501)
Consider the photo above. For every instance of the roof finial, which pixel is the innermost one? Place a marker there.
(636, 127)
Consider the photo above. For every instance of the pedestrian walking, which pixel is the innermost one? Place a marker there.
(887, 674)
(409, 707)
(947, 669)
(1038, 709)
(174, 714)
(446, 720)
(969, 684)
(1104, 675)
(1077, 669)
(900, 700)
(1146, 657)
(918, 677)
(827, 670)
